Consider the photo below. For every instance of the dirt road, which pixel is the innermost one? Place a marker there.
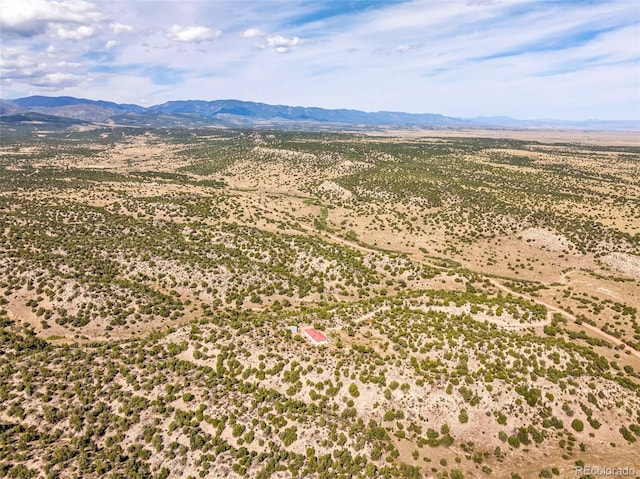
(552, 309)
(571, 317)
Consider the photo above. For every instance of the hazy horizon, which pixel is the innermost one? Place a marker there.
(478, 117)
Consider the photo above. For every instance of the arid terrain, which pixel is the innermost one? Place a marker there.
(479, 291)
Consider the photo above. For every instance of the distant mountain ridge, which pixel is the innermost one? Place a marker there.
(232, 113)
(263, 111)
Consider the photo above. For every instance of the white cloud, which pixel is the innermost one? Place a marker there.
(64, 64)
(118, 28)
(34, 17)
(110, 44)
(45, 66)
(58, 80)
(275, 41)
(279, 43)
(192, 34)
(252, 33)
(404, 48)
(79, 33)
(17, 65)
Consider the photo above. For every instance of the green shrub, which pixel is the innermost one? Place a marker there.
(577, 425)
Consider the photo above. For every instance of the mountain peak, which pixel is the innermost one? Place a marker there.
(240, 113)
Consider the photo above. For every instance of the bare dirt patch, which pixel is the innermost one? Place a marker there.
(546, 239)
(624, 263)
(335, 191)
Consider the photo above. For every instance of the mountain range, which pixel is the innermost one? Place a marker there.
(236, 113)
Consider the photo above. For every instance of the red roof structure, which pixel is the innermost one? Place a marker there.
(316, 336)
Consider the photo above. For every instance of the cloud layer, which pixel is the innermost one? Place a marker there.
(192, 34)
(523, 58)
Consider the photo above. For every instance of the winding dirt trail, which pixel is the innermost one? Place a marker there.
(338, 239)
(555, 309)
(371, 314)
(550, 308)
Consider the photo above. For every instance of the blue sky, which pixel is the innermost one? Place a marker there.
(526, 59)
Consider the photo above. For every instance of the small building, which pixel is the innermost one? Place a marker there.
(316, 336)
(293, 329)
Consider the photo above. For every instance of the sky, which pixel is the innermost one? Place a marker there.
(565, 59)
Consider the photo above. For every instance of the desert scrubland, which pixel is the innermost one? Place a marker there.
(479, 290)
